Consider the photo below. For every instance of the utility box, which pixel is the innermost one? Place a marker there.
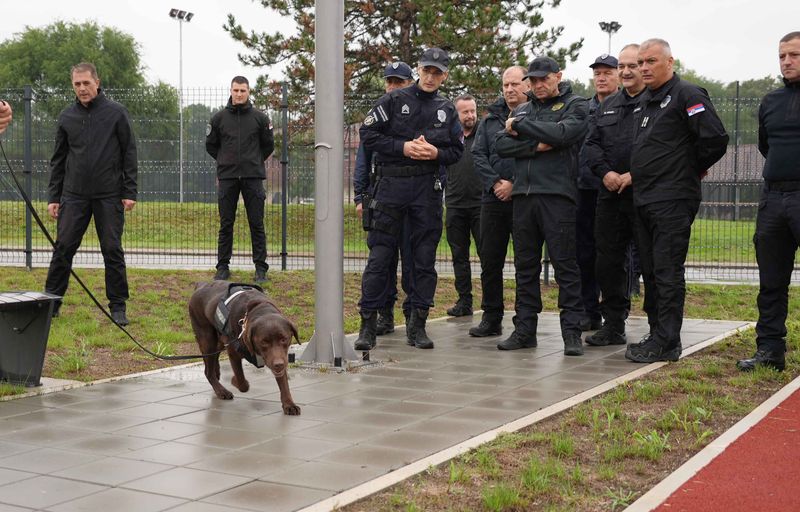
(24, 328)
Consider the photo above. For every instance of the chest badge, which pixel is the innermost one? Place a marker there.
(558, 106)
(666, 101)
(441, 115)
(405, 110)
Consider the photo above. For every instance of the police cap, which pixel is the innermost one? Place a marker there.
(435, 57)
(398, 70)
(605, 60)
(541, 67)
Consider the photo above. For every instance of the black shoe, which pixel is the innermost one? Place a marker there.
(607, 335)
(651, 351)
(385, 321)
(516, 341)
(223, 274)
(56, 309)
(418, 319)
(573, 345)
(259, 278)
(644, 339)
(461, 308)
(487, 328)
(591, 324)
(775, 359)
(366, 335)
(119, 317)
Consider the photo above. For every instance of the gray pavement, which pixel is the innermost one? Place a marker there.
(162, 441)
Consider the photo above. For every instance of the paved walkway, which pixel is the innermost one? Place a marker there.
(163, 442)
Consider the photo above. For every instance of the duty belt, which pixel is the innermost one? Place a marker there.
(405, 171)
(781, 186)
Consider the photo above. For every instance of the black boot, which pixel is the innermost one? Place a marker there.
(418, 319)
(462, 307)
(366, 336)
(769, 358)
(608, 335)
(487, 328)
(410, 335)
(385, 321)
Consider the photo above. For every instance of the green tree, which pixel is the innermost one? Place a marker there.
(482, 36)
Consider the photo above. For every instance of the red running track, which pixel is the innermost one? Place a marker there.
(760, 471)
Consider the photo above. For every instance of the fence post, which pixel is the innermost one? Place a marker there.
(736, 191)
(27, 156)
(284, 168)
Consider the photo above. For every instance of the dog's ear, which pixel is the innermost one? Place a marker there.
(294, 330)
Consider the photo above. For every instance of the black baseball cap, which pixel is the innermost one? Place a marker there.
(541, 67)
(397, 69)
(605, 60)
(435, 57)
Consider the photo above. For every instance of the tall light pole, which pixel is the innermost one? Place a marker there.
(181, 16)
(611, 27)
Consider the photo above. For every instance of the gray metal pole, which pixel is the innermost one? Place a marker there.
(27, 155)
(284, 169)
(180, 105)
(736, 191)
(328, 343)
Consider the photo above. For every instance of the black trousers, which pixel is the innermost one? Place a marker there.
(776, 240)
(663, 231)
(540, 218)
(614, 232)
(74, 215)
(406, 281)
(497, 220)
(254, 195)
(586, 252)
(459, 224)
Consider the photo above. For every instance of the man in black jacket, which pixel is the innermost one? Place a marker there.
(778, 223)
(239, 138)
(608, 153)
(677, 138)
(92, 174)
(497, 210)
(544, 136)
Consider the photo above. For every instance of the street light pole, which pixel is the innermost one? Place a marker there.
(181, 16)
(611, 27)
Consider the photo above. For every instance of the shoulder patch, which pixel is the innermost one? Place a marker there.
(695, 109)
(369, 120)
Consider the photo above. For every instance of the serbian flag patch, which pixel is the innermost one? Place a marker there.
(695, 109)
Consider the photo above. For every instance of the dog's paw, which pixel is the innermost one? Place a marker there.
(224, 394)
(243, 387)
(291, 409)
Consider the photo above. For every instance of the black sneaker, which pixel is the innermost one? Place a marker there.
(487, 328)
(119, 317)
(56, 309)
(775, 359)
(573, 345)
(516, 342)
(607, 335)
(223, 274)
(460, 309)
(651, 351)
(260, 276)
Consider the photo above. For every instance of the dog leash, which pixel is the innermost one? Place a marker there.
(97, 303)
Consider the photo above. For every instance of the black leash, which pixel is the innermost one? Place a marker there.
(41, 225)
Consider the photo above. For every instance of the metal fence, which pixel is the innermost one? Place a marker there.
(175, 222)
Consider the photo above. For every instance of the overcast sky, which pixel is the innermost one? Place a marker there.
(723, 39)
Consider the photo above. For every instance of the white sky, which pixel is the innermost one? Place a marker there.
(723, 39)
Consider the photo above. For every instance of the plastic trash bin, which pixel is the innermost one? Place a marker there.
(24, 328)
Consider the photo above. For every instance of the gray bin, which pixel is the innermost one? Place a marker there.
(24, 328)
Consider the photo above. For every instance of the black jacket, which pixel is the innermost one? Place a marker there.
(239, 138)
(779, 133)
(405, 114)
(586, 178)
(463, 183)
(488, 164)
(677, 137)
(560, 122)
(610, 140)
(95, 152)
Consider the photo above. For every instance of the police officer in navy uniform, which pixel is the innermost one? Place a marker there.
(544, 136)
(608, 154)
(396, 75)
(414, 132)
(778, 223)
(677, 138)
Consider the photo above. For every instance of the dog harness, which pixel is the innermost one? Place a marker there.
(225, 326)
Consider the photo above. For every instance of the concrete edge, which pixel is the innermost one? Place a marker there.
(382, 482)
(658, 494)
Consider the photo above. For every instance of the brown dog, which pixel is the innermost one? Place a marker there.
(266, 333)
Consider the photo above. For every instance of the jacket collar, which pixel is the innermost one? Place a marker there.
(240, 108)
(96, 101)
(499, 108)
(417, 90)
(661, 92)
(791, 85)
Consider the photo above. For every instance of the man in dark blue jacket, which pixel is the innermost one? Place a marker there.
(239, 137)
(92, 174)
(497, 210)
(413, 132)
(778, 223)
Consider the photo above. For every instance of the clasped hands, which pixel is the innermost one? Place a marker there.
(616, 182)
(420, 149)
